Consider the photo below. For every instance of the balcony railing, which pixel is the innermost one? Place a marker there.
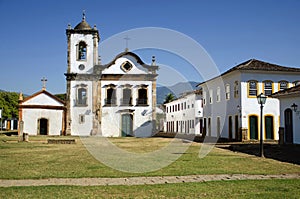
(126, 102)
(142, 102)
(110, 102)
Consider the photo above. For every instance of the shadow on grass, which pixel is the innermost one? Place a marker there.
(283, 153)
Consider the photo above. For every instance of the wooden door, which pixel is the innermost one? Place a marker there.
(269, 127)
(288, 126)
(127, 125)
(253, 127)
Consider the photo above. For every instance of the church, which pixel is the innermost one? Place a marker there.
(112, 100)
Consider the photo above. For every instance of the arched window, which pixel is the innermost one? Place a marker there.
(81, 55)
(218, 94)
(252, 88)
(227, 91)
(268, 87)
(127, 100)
(111, 97)
(142, 96)
(283, 85)
(82, 96)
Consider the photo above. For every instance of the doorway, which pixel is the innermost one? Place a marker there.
(230, 127)
(253, 121)
(288, 126)
(127, 125)
(43, 126)
(236, 127)
(269, 127)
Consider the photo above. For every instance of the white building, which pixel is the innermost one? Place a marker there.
(114, 99)
(42, 114)
(184, 115)
(230, 105)
(290, 113)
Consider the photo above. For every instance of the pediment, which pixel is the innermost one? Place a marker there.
(43, 98)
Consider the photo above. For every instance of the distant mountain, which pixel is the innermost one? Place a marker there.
(176, 90)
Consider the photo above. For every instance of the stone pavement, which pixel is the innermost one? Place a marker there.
(140, 180)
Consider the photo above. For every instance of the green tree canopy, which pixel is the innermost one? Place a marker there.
(169, 98)
(9, 104)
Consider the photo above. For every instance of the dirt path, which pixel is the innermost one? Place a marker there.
(139, 180)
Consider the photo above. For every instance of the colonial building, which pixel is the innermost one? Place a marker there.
(290, 114)
(42, 114)
(184, 115)
(113, 99)
(230, 100)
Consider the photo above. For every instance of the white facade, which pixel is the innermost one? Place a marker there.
(112, 100)
(290, 114)
(184, 115)
(231, 110)
(42, 114)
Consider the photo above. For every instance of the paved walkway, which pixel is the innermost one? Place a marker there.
(140, 180)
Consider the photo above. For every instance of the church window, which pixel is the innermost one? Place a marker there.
(283, 85)
(82, 96)
(252, 88)
(111, 97)
(268, 87)
(142, 96)
(81, 51)
(127, 99)
(126, 66)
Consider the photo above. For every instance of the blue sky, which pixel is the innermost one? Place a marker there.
(33, 40)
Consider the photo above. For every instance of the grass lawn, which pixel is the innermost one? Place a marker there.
(219, 189)
(37, 159)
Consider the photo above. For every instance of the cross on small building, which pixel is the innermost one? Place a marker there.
(44, 80)
(126, 39)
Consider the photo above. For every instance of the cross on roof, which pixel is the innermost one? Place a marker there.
(44, 80)
(126, 39)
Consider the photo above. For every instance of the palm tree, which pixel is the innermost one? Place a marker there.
(169, 98)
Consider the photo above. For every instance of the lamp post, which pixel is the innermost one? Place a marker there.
(261, 99)
(294, 106)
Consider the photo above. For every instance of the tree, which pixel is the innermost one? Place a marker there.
(169, 98)
(9, 104)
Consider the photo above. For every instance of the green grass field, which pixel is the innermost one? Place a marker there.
(219, 189)
(37, 159)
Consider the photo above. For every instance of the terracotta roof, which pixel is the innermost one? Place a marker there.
(258, 65)
(254, 64)
(290, 91)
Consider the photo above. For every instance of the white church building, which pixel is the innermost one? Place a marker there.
(112, 100)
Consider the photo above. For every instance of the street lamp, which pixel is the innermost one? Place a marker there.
(294, 106)
(261, 99)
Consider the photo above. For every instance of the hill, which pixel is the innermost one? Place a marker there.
(176, 90)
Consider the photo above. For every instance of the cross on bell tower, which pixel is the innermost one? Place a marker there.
(44, 80)
(126, 39)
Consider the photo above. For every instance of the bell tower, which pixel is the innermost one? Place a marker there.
(82, 56)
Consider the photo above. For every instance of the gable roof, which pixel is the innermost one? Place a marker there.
(138, 59)
(257, 65)
(290, 91)
(43, 92)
